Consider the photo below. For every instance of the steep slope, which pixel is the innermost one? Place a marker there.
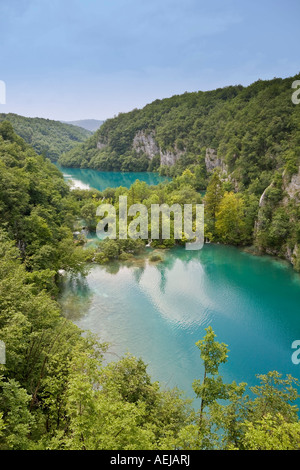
(36, 209)
(47, 137)
(251, 136)
(246, 131)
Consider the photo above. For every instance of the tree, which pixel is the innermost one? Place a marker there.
(271, 433)
(17, 421)
(236, 421)
(230, 219)
(88, 213)
(212, 387)
(212, 200)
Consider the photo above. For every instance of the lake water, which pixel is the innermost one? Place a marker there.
(159, 311)
(86, 178)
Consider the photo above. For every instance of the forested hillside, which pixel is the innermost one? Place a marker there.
(241, 144)
(56, 393)
(47, 137)
(247, 131)
(36, 210)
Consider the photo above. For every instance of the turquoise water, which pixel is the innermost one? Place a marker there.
(86, 178)
(159, 311)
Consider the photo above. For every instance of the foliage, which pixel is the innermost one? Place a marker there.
(36, 208)
(255, 129)
(55, 390)
(56, 393)
(48, 138)
(254, 132)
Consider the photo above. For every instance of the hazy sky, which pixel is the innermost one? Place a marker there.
(77, 59)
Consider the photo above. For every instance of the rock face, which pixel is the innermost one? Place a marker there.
(212, 161)
(293, 188)
(292, 191)
(291, 254)
(169, 158)
(145, 143)
(100, 145)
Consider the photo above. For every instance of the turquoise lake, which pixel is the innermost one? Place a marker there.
(86, 178)
(159, 311)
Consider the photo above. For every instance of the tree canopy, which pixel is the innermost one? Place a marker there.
(47, 137)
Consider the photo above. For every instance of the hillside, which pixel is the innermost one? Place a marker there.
(245, 131)
(35, 207)
(46, 136)
(250, 136)
(57, 391)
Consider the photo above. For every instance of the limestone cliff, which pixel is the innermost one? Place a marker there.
(145, 143)
(291, 193)
(292, 189)
(170, 157)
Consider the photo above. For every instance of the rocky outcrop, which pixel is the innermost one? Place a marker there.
(146, 144)
(100, 145)
(292, 189)
(291, 254)
(212, 161)
(169, 158)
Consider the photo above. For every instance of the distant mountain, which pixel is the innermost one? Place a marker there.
(88, 124)
(47, 137)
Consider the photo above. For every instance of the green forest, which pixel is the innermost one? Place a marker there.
(254, 131)
(240, 144)
(47, 137)
(56, 390)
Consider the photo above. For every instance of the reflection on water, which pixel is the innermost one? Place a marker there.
(76, 298)
(158, 311)
(85, 178)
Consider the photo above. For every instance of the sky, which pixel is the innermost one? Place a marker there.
(91, 59)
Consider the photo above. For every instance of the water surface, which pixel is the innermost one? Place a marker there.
(86, 178)
(159, 311)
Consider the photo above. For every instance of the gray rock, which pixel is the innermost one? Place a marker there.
(146, 144)
(100, 145)
(212, 161)
(293, 188)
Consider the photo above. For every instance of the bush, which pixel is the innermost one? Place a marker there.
(155, 257)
